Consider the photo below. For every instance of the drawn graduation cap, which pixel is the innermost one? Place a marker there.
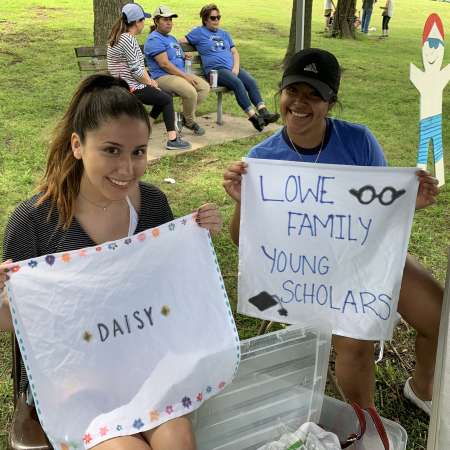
(264, 301)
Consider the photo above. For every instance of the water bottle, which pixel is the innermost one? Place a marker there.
(213, 78)
(188, 66)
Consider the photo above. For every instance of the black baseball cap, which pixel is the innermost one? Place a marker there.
(318, 68)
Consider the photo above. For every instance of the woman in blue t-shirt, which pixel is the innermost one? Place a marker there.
(309, 89)
(165, 59)
(218, 52)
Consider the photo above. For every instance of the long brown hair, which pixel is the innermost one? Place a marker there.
(98, 98)
(155, 24)
(120, 26)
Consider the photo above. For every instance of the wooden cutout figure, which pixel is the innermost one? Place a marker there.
(430, 84)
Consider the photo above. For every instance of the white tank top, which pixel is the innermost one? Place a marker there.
(133, 218)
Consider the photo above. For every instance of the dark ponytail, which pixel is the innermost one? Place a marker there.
(120, 26)
(97, 99)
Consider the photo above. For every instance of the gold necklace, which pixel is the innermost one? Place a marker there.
(95, 204)
(298, 152)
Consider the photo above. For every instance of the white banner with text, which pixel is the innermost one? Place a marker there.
(122, 337)
(325, 242)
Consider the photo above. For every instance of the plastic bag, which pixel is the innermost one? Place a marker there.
(308, 437)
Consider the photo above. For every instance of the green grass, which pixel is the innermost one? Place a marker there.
(38, 73)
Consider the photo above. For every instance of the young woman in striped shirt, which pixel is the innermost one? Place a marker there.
(126, 61)
(91, 193)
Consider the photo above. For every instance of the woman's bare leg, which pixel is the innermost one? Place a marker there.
(420, 305)
(355, 369)
(176, 434)
(134, 442)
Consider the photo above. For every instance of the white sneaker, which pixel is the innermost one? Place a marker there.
(424, 405)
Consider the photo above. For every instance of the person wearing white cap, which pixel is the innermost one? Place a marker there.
(165, 59)
(126, 61)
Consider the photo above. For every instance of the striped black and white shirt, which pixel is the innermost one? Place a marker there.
(125, 60)
(29, 233)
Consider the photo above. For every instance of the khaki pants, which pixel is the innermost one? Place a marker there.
(191, 95)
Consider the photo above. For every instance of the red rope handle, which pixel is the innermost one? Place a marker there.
(379, 426)
(362, 427)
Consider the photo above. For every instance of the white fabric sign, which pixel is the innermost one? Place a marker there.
(122, 337)
(325, 242)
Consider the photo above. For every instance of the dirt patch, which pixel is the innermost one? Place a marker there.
(8, 58)
(21, 40)
(270, 28)
(7, 142)
(14, 39)
(265, 27)
(42, 12)
(6, 28)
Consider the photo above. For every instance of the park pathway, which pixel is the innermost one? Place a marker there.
(233, 128)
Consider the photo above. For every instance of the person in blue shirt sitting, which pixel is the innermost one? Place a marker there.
(165, 59)
(218, 52)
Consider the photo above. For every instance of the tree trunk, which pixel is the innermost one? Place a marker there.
(307, 37)
(344, 19)
(106, 12)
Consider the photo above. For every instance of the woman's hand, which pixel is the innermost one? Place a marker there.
(190, 79)
(153, 83)
(233, 178)
(5, 313)
(428, 189)
(4, 269)
(208, 216)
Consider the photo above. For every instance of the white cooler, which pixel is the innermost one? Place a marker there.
(281, 382)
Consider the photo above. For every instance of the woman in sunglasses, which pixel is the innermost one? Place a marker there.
(218, 52)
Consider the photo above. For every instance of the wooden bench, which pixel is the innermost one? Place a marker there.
(93, 59)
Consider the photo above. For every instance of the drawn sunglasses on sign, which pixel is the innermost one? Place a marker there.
(367, 194)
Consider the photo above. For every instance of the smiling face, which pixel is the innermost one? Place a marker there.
(213, 20)
(433, 54)
(304, 111)
(164, 24)
(114, 158)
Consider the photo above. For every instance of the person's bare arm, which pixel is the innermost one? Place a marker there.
(5, 313)
(232, 179)
(235, 224)
(147, 80)
(236, 60)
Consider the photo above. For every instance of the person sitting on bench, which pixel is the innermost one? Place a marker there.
(126, 61)
(166, 60)
(218, 52)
